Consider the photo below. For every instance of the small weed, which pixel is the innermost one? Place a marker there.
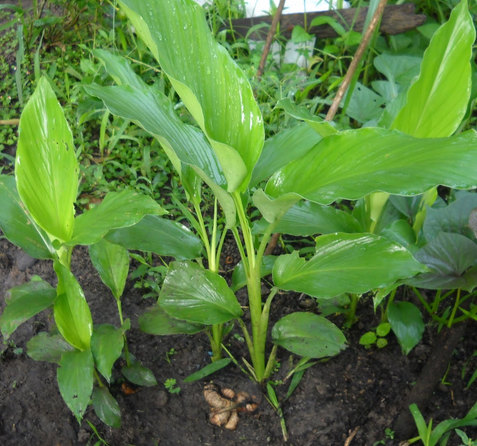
(169, 355)
(170, 385)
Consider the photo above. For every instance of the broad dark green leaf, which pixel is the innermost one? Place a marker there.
(451, 259)
(158, 235)
(309, 335)
(75, 380)
(112, 263)
(106, 407)
(212, 86)
(307, 218)
(407, 324)
(453, 218)
(208, 370)
(355, 163)
(138, 374)
(400, 231)
(156, 321)
(117, 210)
(437, 101)
(239, 278)
(25, 301)
(44, 347)
(276, 151)
(194, 294)
(345, 263)
(365, 104)
(398, 68)
(45, 167)
(107, 344)
(72, 314)
(18, 226)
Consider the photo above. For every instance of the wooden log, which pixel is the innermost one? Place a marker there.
(396, 19)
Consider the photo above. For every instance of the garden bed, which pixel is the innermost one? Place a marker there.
(359, 388)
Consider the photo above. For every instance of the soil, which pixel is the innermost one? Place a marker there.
(358, 389)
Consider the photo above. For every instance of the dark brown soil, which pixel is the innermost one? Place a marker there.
(358, 389)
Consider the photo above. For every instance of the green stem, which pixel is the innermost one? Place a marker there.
(203, 232)
(98, 378)
(217, 333)
(351, 316)
(454, 310)
(247, 337)
(64, 255)
(271, 362)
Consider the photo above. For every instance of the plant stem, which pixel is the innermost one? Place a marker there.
(351, 316)
(454, 310)
(98, 378)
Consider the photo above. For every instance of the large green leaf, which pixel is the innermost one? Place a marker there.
(308, 335)
(210, 84)
(355, 163)
(72, 314)
(451, 259)
(307, 218)
(158, 235)
(453, 218)
(194, 294)
(107, 344)
(48, 348)
(46, 168)
(75, 380)
(407, 324)
(437, 101)
(156, 321)
(117, 210)
(345, 263)
(138, 374)
(18, 226)
(182, 143)
(276, 151)
(112, 263)
(26, 300)
(106, 407)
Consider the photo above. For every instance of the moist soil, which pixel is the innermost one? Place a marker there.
(361, 389)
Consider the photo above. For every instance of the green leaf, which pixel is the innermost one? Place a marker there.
(158, 235)
(309, 335)
(448, 257)
(208, 370)
(368, 338)
(381, 343)
(323, 128)
(276, 151)
(112, 263)
(117, 210)
(106, 407)
(400, 231)
(156, 321)
(44, 347)
(364, 104)
(453, 218)
(355, 163)
(239, 277)
(407, 324)
(140, 375)
(107, 344)
(212, 86)
(345, 263)
(26, 300)
(72, 314)
(75, 380)
(45, 167)
(437, 101)
(272, 210)
(398, 68)
(194, 294)
(419, 420)
(18, 226)
(307, 218)
(383, 329)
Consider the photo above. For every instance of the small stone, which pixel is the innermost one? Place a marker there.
(83, 436)
(24, 261)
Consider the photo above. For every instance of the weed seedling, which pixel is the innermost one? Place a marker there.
(170, 385)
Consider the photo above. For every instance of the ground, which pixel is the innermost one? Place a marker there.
(357, 389)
